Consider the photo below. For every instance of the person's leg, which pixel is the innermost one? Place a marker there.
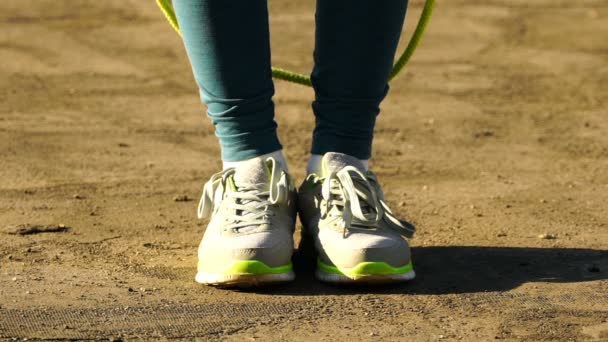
(342, 207)
(228, 45)
(250, 205)
(355, 46)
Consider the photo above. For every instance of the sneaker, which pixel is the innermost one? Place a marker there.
(356, 236)
(249, 239)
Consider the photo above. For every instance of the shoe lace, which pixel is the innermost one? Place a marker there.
(250, 205)
(360, 201)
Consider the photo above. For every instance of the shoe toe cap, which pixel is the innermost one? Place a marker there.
(273, 248)
(355, 248)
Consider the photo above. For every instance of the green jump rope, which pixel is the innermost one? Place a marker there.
(167, 7)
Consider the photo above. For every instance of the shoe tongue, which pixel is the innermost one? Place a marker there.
(334, 162)
(251, 172)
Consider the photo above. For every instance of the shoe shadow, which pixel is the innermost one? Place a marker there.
(467, 269)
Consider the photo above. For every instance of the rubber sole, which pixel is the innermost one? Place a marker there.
(243, 280)
(245, 273)
(367, 272)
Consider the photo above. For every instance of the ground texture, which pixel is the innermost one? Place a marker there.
(494, 142)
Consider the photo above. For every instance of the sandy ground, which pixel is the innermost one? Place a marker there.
(494, 135)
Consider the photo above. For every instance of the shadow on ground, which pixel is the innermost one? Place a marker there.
(469, 269)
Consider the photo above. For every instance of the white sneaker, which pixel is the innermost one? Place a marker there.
(249, 239)
(356, 236)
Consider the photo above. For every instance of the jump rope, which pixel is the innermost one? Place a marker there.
(167, 7)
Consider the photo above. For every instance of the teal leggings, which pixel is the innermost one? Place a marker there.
(227, 42)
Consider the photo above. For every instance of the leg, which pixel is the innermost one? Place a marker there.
(228, 45)
(249, 238)
(355, 47)
(356, 236)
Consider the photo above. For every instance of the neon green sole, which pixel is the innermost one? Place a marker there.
(252, 267)
(366, 269)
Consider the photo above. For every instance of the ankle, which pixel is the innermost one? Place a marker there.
(277, 155)
(314, 163)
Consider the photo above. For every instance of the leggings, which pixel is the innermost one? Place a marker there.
(228, 45)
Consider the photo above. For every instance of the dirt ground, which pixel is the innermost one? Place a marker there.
(494, 142)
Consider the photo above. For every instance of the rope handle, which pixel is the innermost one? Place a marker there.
(167, 7)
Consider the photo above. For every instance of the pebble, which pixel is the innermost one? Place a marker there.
(547, 236)
(182, 198)
(593, 14)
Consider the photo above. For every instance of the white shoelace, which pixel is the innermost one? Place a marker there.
(361, 201)
(251, 205)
